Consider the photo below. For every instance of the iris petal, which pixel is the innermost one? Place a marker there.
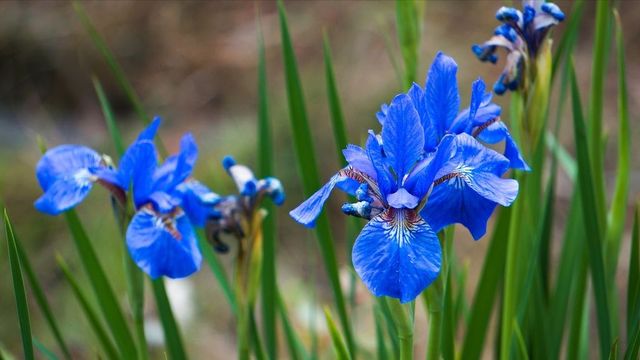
(65, 193)
(421, 177)
(307, 212)
(197, 201)
(156, 250)
(150, 132)
(420, 103)
(358, 158)
(63, 161)
(497, 132)
(386, 182)
(402, 135)
(140, 163)
(397, 254)
(443, 98)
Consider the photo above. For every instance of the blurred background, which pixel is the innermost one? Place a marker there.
(195, 64)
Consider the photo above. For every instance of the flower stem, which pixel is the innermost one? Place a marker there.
(435, 306)
(402, 315)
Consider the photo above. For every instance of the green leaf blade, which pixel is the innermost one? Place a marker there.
(172, 336)
(19, 290)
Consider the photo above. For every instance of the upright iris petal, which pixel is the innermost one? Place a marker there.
(441, 93)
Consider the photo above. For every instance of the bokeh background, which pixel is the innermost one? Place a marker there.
(195, 64)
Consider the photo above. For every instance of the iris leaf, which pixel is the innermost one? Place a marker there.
(592, 223)
(172, 336)
(41, 299)
(633, 282)
(89, 312)
(43, 349)
(408, 19)
(108, 116)
(266, 168)
(487, 289)
(19, 290)
(218, 271)
(296, 349)
(308, 168)
(618, 210)
(104, 293)
(338, 343)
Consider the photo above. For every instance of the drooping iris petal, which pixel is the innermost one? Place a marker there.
(274, 189)
(402, 136)
(397, 254)
(65, 174)
(244, 178)
(441, 92)
(468, 193)
(64, 161)
(163, 247)
(307, 212)
(197, 201)
(358, 158)
(65, 193)
(455, 202)
(496, 132)
(386, 182)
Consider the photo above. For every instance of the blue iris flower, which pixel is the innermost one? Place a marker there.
(401, 190)
(160, 237)
(438, 105)
(522, 34)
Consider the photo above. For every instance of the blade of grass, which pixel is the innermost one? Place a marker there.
(41, 299)
(89, 312)
(563, 156)
(19, 290)
(43, 349)
(485, 294)
(633, 281)
(265, 168)
(388, 44)
(308, 167)
(172, 337)
(116, 69)
(592, 223)
(101, 287)
(108, 116)
(634, 344)
(596, 102)
(380, 339)
(618, 210)
(133, 275)
(408, 29)
(522, 346)
(296, 349)
(336, 339)
(613, 355)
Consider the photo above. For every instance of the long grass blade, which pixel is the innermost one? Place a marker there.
(41, 299)
(265, 168)
(618, 210)
(633, 281)
(485, 294)
(338, 343)
(19, 290)
(408, 27)
(104, 293)
(592, 223)
(43, 349)
(522, 346)
(296, 349)
(172, 337)
(116, 137)
(308, 167)
(90, 313)
(613, 355)
(596, 103)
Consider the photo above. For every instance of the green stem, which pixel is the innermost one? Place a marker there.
(402, 315)
(243, 323)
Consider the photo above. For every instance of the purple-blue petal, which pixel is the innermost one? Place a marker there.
(307, 212)
(397, 254)
(358, 159)
(150, 131)
(156, 250)
(402, 135)
(386, 182)
(497, 132)
(402, 199)
(64, 194)
(197, 201)
(441, 91)
(420, 103)
(63, 161)
(422, 175)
